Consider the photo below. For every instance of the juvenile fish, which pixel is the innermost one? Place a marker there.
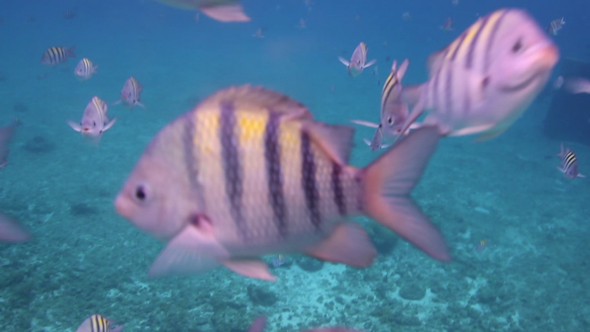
(484, 80)
(569, 163)
(85, 69)
(56, 55)
(248, 173)
(393, 112)
(94, 120)
(555, 26)
(221, 10)
(358, 61)
(98, 323)
(131, 94)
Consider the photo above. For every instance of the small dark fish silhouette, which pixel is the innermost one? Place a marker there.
(387, 58)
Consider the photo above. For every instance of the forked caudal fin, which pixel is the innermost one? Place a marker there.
(388, 183)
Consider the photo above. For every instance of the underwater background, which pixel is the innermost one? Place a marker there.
(517, 229)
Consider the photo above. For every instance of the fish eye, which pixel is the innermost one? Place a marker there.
(390, 120)
(141, 193)
(517, 46)
(94, 123)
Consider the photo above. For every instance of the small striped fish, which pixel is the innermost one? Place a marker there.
(94, 120)
(98, 323)
(358, 61)
(555, 26)
(484, 80)
(131, 93)
(248, 173)
(393, 112)
(56, 55)
(221, 10)
(85, 69)
(569, 163)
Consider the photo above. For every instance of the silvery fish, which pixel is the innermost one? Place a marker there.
(11, 231)
(131, 93)
(221, 10)
(358, 61)
(393, 112)
(484, 80)
(260, 323)
(555, 26)
(6, 134)
(56, 55)
(94, 120)
(98, 323)
(85, 69)
(248, 172)
(569, 163)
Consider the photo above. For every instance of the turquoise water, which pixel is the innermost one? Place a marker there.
(531, 274)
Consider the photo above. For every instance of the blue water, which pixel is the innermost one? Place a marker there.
(531, 274)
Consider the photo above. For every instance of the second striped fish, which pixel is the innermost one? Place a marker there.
(248, 173)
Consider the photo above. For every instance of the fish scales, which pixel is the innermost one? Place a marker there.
(286, 186)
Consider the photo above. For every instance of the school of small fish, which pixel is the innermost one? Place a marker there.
(249, 172)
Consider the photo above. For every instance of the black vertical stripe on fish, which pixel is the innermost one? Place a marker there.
(490, 41)
(272, 158)
(231, 166)
(337, 188)
(191, 161)
(308, 170)
(473, 44)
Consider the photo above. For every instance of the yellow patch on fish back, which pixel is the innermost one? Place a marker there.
(291, 163)
(207, 133)
(251, 125)
(463, 46)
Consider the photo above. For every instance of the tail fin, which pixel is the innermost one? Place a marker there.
(388, 183)
(70, 52)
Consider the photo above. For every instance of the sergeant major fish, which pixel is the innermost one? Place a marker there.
(131, 93)
(393, 112)
(569, 163)
(56, 55)
(98, 323)
(85, 69)
(485, 79)
(358, 61)
(248, 173)
(221, 10)
(94, 120)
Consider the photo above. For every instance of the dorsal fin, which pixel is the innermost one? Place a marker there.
(335, 140)
(435, 61)
(257, 98)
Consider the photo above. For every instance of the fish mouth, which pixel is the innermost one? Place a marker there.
(543, 58)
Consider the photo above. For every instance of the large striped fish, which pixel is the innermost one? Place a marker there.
(485, 79)
(248, 172)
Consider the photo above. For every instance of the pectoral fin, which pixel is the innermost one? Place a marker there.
(192, 251)
(414, 115)
(348, 244)
(75, 126)
(370, 63)
(344, 61)
(365, 123)
(109, 124)
(253, 268)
